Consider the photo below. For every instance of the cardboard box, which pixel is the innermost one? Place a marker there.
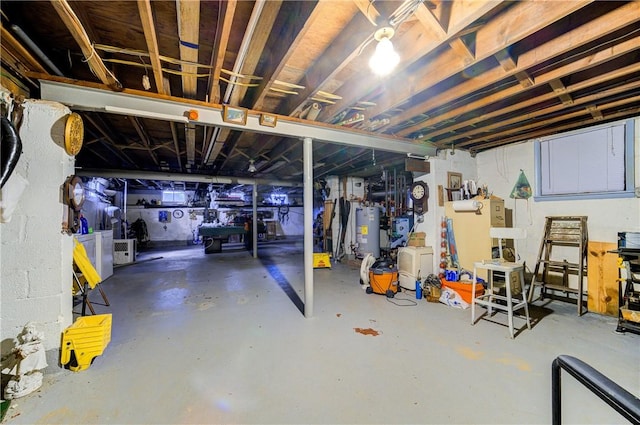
(417, 239)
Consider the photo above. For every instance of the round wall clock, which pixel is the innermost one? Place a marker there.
(420, 195)
(178, 213)
(74, 192)
(73, 134)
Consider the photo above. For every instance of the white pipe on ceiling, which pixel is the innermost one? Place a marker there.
(190, 178)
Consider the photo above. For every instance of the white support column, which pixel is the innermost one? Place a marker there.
(254, 200)
(307, 155)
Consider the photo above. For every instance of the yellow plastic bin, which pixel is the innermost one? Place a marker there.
(85, 339)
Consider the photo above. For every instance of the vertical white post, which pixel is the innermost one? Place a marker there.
(307, 156)
(254, 200)
(124, 208)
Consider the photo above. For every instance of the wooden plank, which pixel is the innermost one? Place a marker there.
(263, 29)
(78, 32)
(217, 58)
(543, 128)
(496, 35)
(148, 26)
(478, 129)
(492, 76)
(418, 165)
(602, 272)
(189, 33)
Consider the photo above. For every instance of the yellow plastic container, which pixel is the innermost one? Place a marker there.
(85, 339)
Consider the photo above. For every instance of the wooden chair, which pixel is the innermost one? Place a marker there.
(491, 299)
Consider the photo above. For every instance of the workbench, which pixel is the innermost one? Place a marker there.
(214, 236)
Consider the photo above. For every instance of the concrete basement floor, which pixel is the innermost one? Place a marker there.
(220, 339)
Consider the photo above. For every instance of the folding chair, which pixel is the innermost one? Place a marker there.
(85, 277)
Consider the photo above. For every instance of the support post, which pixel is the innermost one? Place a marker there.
(254, 201)
(307, 166)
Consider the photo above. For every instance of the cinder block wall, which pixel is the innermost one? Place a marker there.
(35, 257)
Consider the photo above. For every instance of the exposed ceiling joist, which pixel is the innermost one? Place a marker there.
(68, 16)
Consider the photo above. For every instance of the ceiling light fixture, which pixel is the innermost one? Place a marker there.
(385, 58)
(252, 167)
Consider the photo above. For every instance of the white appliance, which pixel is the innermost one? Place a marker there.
(414, 262)
(124, 251)
(104, 253)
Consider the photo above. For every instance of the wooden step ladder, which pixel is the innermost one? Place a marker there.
(571, 232)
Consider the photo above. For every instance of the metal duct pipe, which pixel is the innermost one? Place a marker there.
(25, 38)
(191, 178)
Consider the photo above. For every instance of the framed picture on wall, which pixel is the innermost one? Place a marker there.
(454, 180)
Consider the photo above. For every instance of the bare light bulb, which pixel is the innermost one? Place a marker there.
(385, 58)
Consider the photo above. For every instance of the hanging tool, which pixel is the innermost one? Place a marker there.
(345, 209)
(328, 232)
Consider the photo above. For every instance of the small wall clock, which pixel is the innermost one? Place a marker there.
(420, 196)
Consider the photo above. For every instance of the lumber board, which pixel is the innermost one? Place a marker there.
(602, 275)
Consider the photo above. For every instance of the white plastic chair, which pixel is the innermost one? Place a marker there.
(490, 298)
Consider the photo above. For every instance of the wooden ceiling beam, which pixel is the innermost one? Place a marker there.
(544, 128)
(342, 51)
(368, 10)
(142, 133)
(149, 29)
(220, 47)
(561, 90)
(112, 144)
(190, 140)
(189, 38)
(332, 168)
(428, 20)
(214, 147)
(509, 64)
(523, 118)
(264, 27)
(307, 13)
(516, 23)
(262, 144)
(73, 24)
(358, 88)
(487, 118)
(587, 33)
(595, 112)
(259, 39)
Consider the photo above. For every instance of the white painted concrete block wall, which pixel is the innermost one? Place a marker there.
(501, 167)
(460, 162)
(35, 258)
